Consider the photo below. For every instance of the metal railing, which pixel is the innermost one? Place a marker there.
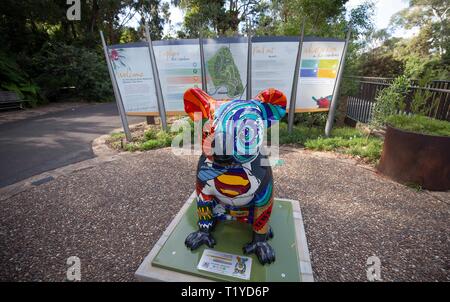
(360, 105)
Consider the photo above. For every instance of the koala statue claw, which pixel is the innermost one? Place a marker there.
(196, 239)
(234, 178)
(262, 249)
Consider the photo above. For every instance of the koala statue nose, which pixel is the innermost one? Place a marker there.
(223, 159)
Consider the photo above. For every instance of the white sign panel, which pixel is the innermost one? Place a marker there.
(226, 67)
(133, 72)
(179, 69)
(318, 71)
(225, 264)
(273, 64)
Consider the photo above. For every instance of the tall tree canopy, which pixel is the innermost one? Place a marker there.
(425, 54)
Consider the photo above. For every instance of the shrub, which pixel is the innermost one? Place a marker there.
(59, 65)
(421, 102)
(152, 144)
(311, 119)
(343, 140)
(420, 124)
(390, 100)
(150, 134)
(368, 148)
(13, 78)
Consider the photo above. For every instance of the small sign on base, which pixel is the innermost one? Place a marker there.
(226, 264)
(171, 260)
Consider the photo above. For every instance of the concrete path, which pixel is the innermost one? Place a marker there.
(44, 142)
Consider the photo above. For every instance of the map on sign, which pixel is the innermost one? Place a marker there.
(226, 67)
(224, 72)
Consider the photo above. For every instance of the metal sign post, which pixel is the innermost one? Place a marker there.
(293, 99)
(335, 98)
(202, 63)
(117, 95)
(159, 95)
(249, 61)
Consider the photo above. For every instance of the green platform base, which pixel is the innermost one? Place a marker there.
(170, 260)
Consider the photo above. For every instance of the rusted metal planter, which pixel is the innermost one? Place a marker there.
(414, 158)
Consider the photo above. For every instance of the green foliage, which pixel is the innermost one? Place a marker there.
(381, 61)
(310, 119)
(414, 186)
(421, 99)
(49, 51)
(431, 16)
(344, 140)
(427, 52)
(420, 124)
(280, 17)
(152, 138)
(150, 134)
(13, 78)
(217, 17)
(58, 65)
(368, 148)
(390, 100)
(299, 135)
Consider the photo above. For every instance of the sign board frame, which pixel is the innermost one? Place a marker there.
(244, 69)
(144, 46)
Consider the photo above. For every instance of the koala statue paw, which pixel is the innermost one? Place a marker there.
(196, 239)
(262, 249)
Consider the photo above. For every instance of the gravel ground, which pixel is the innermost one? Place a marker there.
(111, 215)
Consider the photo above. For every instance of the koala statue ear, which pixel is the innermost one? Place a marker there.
(274, 103)
(196, 100)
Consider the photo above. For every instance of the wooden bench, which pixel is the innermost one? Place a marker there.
(10, 100)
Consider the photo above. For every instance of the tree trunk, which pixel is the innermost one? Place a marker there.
(94, 17)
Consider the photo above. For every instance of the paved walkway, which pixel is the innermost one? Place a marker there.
(37, 140)
(112, 214)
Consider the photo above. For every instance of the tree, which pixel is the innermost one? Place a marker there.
(149, 10)
(423, 55)
(217, 17)
(431, 15)
(32, 29)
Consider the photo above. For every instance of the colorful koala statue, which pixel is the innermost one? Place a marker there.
(232, 181)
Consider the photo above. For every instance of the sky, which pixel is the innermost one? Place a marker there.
(384, 9)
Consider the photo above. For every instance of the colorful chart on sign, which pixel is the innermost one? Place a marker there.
(319, 67)
(273, 63)
(133, 72)
(226, 67)
(179, 69)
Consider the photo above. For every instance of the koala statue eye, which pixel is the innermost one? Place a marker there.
(246, 134)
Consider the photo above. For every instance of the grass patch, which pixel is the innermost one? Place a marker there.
(145, 137)
(343, 140)
(152, 139)
(420, 124)
(368, 148)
